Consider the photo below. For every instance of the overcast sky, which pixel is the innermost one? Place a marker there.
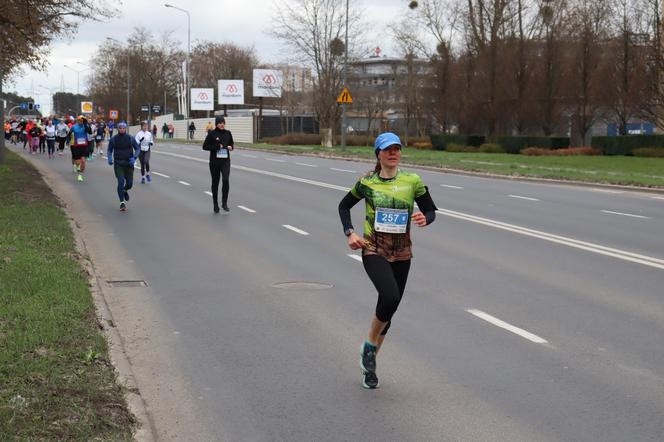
(242, 22)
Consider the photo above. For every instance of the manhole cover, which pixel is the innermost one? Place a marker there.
(302, 285)
(129, 283)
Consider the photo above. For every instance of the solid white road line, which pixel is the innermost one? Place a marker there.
(590, 247)
(451, 187)
(509, 327)
(184, 182)
(247, 209)
(343, 170)
(625, 214)
(207, 192)
(523, 197)
(160, 174)
(248, 156)
(295, 229)
(657, 197)
(355, 257)
(275, 160)
(305, 164)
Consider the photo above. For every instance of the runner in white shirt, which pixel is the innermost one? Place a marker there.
(50, 139)
(145, 141)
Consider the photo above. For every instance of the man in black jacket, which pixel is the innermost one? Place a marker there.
(219, 142)
(123, 150)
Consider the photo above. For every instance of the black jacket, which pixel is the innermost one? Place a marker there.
(217, 139)
(121, 148)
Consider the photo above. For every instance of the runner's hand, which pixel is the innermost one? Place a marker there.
(230, 147)
(419, 219)
(355, 241)
(110, 161)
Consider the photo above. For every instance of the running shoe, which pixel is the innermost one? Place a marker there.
(123, 206)
(142, 180)
(368, 357)
(126, 195)
(216, 209)
(370, 380)
(80, 178)
(148, 178)
(225, 207)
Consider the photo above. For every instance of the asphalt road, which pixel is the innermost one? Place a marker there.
(533, 312)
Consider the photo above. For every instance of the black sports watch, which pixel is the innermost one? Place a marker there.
(348, 232)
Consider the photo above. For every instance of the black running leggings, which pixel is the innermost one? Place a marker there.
(220, 167)
(144, 157)
(389, 278)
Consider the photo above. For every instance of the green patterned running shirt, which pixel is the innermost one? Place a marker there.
(397, 197)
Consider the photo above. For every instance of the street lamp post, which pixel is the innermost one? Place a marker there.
(188, 92)
(78, 72)
(128, 76)
(344, 123)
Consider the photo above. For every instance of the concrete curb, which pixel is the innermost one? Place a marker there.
(145, 432)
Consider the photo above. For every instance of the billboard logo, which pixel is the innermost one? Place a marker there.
(203, 96)
(269, 79)
(231, 88)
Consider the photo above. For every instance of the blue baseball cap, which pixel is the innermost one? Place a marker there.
(385, 140)
(122, 124)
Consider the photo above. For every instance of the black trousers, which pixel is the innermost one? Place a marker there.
(389, 278)
(220, 167)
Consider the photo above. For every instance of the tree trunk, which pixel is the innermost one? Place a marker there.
(2, 120)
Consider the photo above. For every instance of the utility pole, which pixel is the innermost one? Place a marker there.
(343, 105)
(188, 79)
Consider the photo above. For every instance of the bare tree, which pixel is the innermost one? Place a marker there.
(154, 70)
(314, 31)
(584, 79)
(34, 24)
(212, 61)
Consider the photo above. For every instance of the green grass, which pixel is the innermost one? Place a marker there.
(56, 381)
(648, 172)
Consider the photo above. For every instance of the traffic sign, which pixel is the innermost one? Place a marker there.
(345, 97)
(37, 106)
(156, 108)
(86, 107)
(145, 108)
(113, 114)
(23, 105)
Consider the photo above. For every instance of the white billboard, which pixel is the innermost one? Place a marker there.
(268, 82)
(202, 98)
(231, 91)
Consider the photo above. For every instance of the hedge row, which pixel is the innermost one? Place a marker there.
(625, 144)
(516, 144)
(440, 141)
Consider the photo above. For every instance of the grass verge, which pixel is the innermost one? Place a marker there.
(621, 170)
(56, 381)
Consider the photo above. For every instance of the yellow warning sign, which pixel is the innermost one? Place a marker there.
(345, 97)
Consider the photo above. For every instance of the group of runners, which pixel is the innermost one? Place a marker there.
(41, 135)
(390, 195)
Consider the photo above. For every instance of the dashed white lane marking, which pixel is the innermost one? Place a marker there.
(247, 209)
(305, 164)
(657, 197)
(207, 192)
(184, 183)
(509, 327)
(160, 174)
(343, 170)
(570, 242)
(590, 247)
(449, 186)
(275, 160)
(523, 197)
(355, 257)
(295, 229)
(248, 156)
(625, 214)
